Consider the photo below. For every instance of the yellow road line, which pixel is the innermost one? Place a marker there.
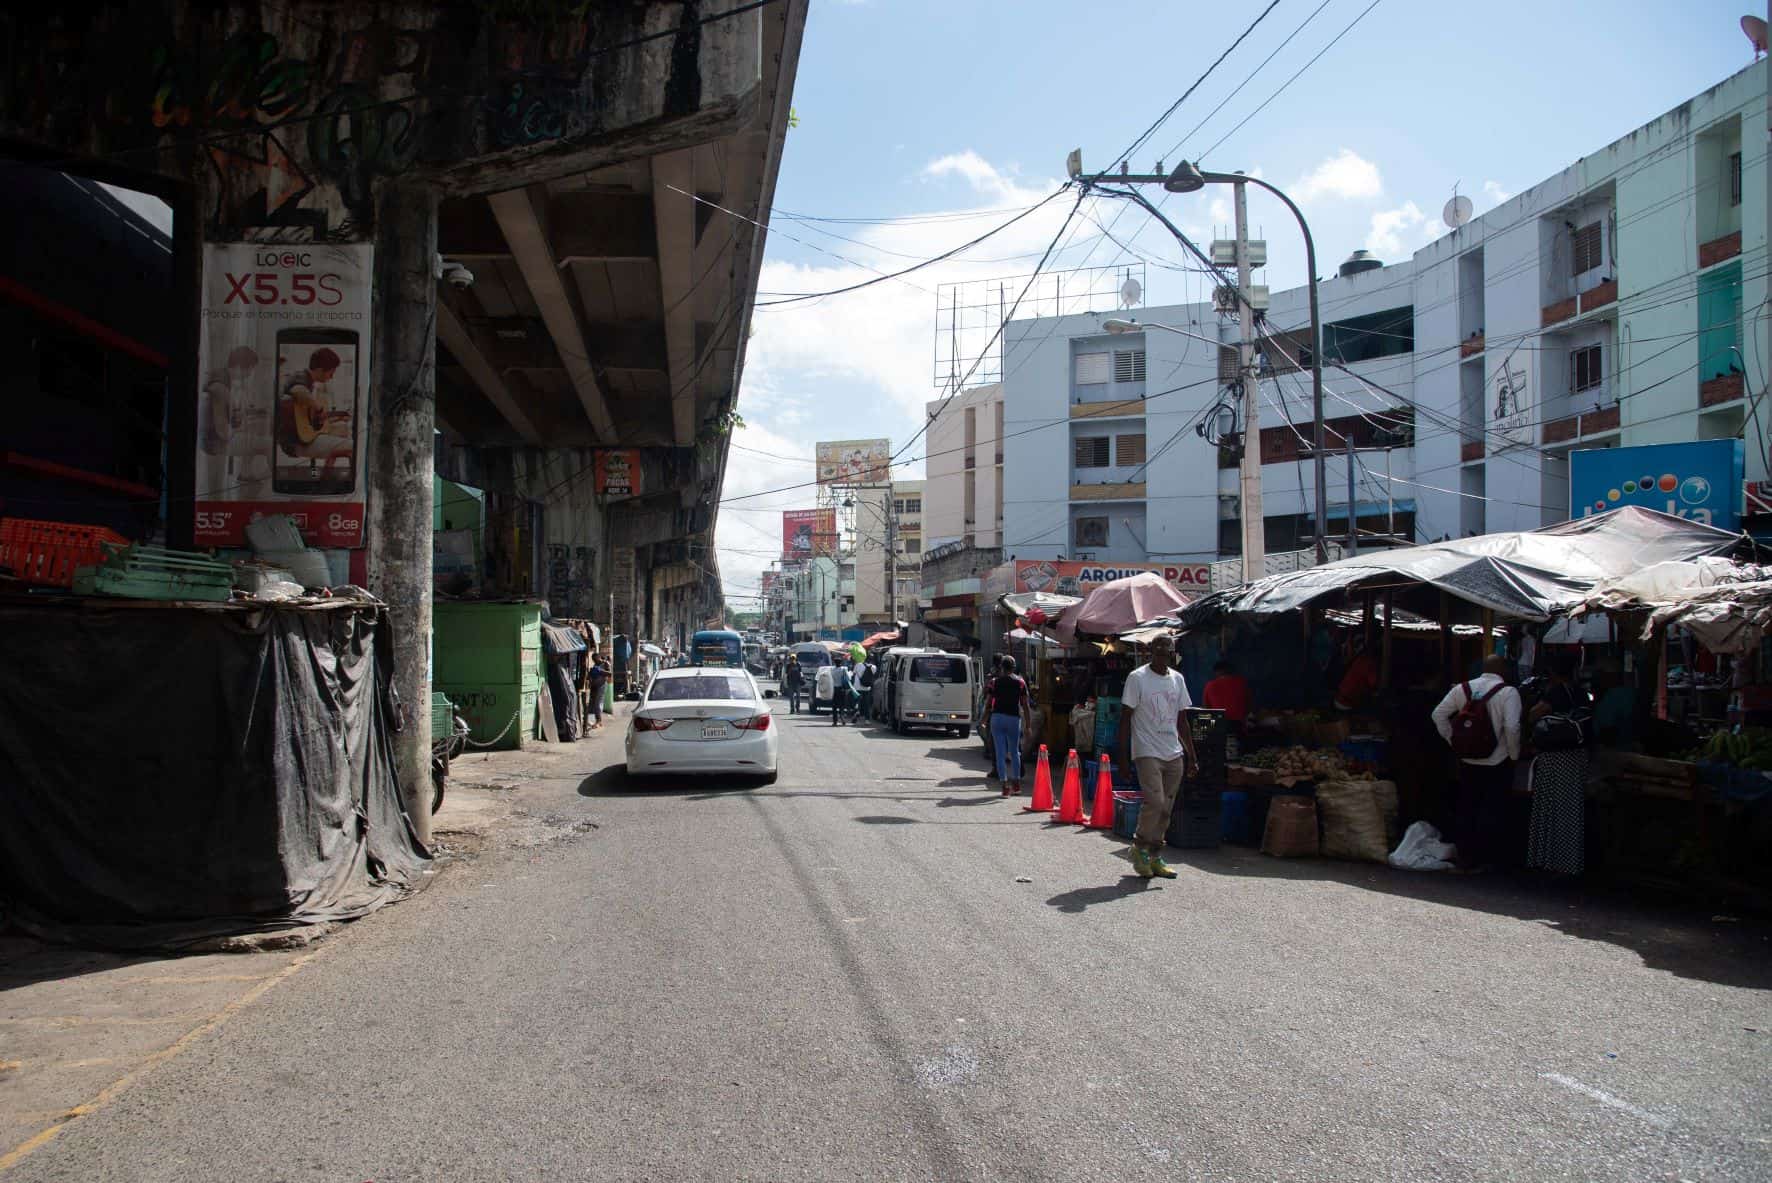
(110, 1092)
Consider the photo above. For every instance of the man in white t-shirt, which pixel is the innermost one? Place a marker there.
(1152, 732)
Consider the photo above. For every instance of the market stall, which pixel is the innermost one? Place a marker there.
(1346, 662)
(232, 771)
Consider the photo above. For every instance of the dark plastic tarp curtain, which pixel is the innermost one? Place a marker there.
(172, 772)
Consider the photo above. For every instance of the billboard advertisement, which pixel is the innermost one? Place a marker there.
(1070, 577)
(808, 532)
(284, 357)
(617, 472)
(854, 462)
(1701, 481)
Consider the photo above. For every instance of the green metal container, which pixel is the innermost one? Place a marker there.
(488, 661)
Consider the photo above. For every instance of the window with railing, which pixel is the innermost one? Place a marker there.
(1092, 452)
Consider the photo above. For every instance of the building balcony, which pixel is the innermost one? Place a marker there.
(1600, 295)
(1718, 249)
(1571, 427)
(1714, 392)
(1111, 491)
(1471, 450)
(1471, 345)
(1120, 409)
(1560, 311)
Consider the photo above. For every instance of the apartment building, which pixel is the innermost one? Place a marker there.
(963, 476)
(1618, 303)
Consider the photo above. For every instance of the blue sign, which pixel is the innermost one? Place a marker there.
(1700, 481)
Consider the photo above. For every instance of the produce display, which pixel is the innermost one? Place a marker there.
(1751, 747)
(1306, 763)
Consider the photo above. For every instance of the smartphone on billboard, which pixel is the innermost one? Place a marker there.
(316, 412)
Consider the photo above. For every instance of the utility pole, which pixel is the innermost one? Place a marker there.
(891, 558)
(1353, 517)
(1249, 476)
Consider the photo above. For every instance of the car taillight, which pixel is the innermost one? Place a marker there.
(754, 723)
(651, 723)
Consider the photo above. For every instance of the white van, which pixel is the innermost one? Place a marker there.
(931, 689)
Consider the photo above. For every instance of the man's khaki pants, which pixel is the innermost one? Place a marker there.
(1161, 781)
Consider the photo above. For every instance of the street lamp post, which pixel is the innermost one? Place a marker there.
(1188, 178)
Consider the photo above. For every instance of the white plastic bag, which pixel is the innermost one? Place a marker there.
(1422, 850)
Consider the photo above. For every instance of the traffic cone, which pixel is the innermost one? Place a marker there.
(1070, 804)
(1042, 802)
(1101, 810)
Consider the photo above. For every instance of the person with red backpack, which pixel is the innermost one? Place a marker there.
(1480, 719)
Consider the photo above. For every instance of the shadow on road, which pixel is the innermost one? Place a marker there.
(963, 802)
(886, 819)
(1685, 940)
(25, 961)
(614, 781)
(1088, 897)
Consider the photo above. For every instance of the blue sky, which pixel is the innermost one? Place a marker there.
(913, 109)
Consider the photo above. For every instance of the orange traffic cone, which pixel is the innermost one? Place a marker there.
(1042, 802)
(1101, 810)
(1070, 803)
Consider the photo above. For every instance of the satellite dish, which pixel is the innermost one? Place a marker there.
(1130, 293)
(1755, 28)
(1458, 211)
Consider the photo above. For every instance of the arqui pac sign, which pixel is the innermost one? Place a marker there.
(1699, 481)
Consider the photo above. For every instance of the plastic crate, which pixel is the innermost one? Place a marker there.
(1126, 810)
(141, 572)
(1195, 825)
(1211, 735)
(46, 553)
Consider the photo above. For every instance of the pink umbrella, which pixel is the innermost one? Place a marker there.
(1114, 607)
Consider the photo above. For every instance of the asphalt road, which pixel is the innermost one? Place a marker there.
(844, 977)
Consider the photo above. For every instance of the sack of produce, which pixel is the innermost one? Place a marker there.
(1353, 827)
(1291, 830)
(1385, 791)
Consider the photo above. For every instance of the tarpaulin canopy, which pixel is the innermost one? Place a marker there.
(1051, 603)
(1527, 575)
(1121, 604)
(171, 772)
(890, 636)
(557, 639)
(1726, 605)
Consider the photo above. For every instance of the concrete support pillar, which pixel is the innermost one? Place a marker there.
(402, 422)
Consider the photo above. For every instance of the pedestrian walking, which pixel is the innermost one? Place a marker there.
(1480, 720)
(599, 679)
(1009, 715)
(1159, 747)
(793, 680)
(839, 692)
(864, 681)
(1556, 838)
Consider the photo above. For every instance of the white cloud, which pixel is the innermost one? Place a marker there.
(1347, 175)
(981, 174)
(861, 364)
(1495, 193)
(1398, 232)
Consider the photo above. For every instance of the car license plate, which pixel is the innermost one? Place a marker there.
(713, 731)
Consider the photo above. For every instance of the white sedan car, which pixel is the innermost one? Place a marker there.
(702, 719)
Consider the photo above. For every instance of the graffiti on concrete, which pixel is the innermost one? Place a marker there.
(570, 580)
(295, 112)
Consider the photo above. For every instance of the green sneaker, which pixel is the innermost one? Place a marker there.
(1159, 868)
(1141, 863)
